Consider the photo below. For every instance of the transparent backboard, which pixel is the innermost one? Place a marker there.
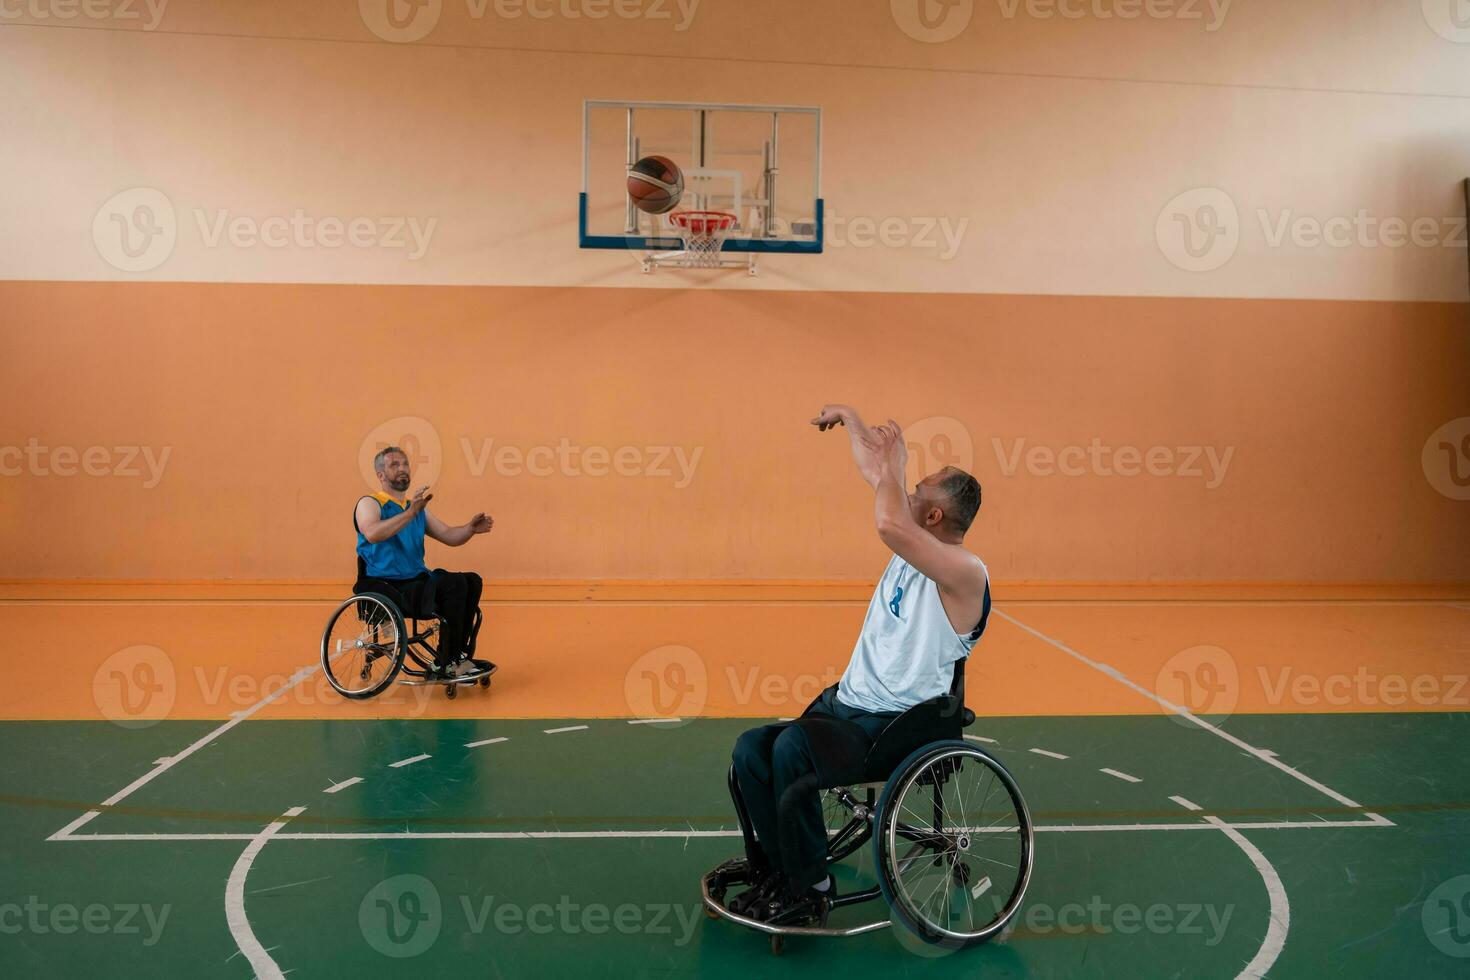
(760, 163)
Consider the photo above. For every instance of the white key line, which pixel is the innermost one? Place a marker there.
(1186, 714)
(339, 787)
(1049, 755)
(408, 762)
(1186, 803)
(680, 834)
(569, 728)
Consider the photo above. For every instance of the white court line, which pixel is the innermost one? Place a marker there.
(654, 721)
(160, 768)
(408, 762)
(1268, 758)
(1186, 803)
(1049, 755)
(681, 834)
(1280, 912)
(1229, 602)
(1122, 775)
(569, 728)
(485, 741)
(339, 787)
(260, 961)
(833, 603)
(981, 738)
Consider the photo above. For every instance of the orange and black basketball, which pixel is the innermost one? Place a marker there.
(655, 184)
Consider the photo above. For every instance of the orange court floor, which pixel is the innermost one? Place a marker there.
(753, 649)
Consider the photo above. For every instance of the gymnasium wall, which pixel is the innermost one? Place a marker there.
(1184, 284)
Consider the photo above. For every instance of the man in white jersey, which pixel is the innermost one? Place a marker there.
(926, 613)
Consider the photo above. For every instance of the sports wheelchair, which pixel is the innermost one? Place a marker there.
(952, 837)
(366, 644)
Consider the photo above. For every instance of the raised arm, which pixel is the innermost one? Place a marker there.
(858, 438)
(958, 573)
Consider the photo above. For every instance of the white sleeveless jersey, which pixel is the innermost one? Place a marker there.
(907, 649)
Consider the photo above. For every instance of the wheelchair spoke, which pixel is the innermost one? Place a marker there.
(360, 647)
(966, 864)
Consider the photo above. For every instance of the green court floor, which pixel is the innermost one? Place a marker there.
(499, 848)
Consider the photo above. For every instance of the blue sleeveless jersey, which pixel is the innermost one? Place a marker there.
(401, 556)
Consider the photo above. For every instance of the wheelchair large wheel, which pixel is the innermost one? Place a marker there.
(363, 645)
(953, 844)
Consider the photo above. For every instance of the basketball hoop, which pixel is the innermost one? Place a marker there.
(704, 235)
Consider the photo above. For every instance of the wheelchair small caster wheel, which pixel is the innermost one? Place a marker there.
(450, 690)
(710, 913)
(778, 943)
(484, 682)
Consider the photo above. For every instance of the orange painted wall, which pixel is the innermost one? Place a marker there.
(265, 398)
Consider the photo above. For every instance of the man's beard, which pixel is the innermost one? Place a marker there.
(400, 483)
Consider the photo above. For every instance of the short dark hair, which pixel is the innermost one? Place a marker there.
(384, 454)
(963, 491)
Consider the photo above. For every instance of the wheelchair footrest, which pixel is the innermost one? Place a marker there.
(723, 876)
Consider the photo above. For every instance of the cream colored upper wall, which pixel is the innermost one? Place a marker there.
(1043, 149)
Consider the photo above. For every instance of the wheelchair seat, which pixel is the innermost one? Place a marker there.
(366, 584)
(845, 755)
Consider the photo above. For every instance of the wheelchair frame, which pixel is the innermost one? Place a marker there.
(865, 814)
(413, 645)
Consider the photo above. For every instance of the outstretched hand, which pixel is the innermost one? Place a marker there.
(886, 443)
(480, 524)
(420, 500)
(830, 417)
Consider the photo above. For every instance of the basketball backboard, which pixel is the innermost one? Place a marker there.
(761, 163)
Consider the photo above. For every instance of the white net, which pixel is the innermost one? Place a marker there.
(704, 235)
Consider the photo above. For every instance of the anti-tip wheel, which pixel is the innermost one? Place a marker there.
(450, 690)
(778, 943)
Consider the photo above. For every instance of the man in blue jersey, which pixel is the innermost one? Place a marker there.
(390, 540)
(926, 613)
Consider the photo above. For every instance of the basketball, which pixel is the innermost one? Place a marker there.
(655, 184)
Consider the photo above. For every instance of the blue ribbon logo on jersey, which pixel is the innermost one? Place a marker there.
(897, 598)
